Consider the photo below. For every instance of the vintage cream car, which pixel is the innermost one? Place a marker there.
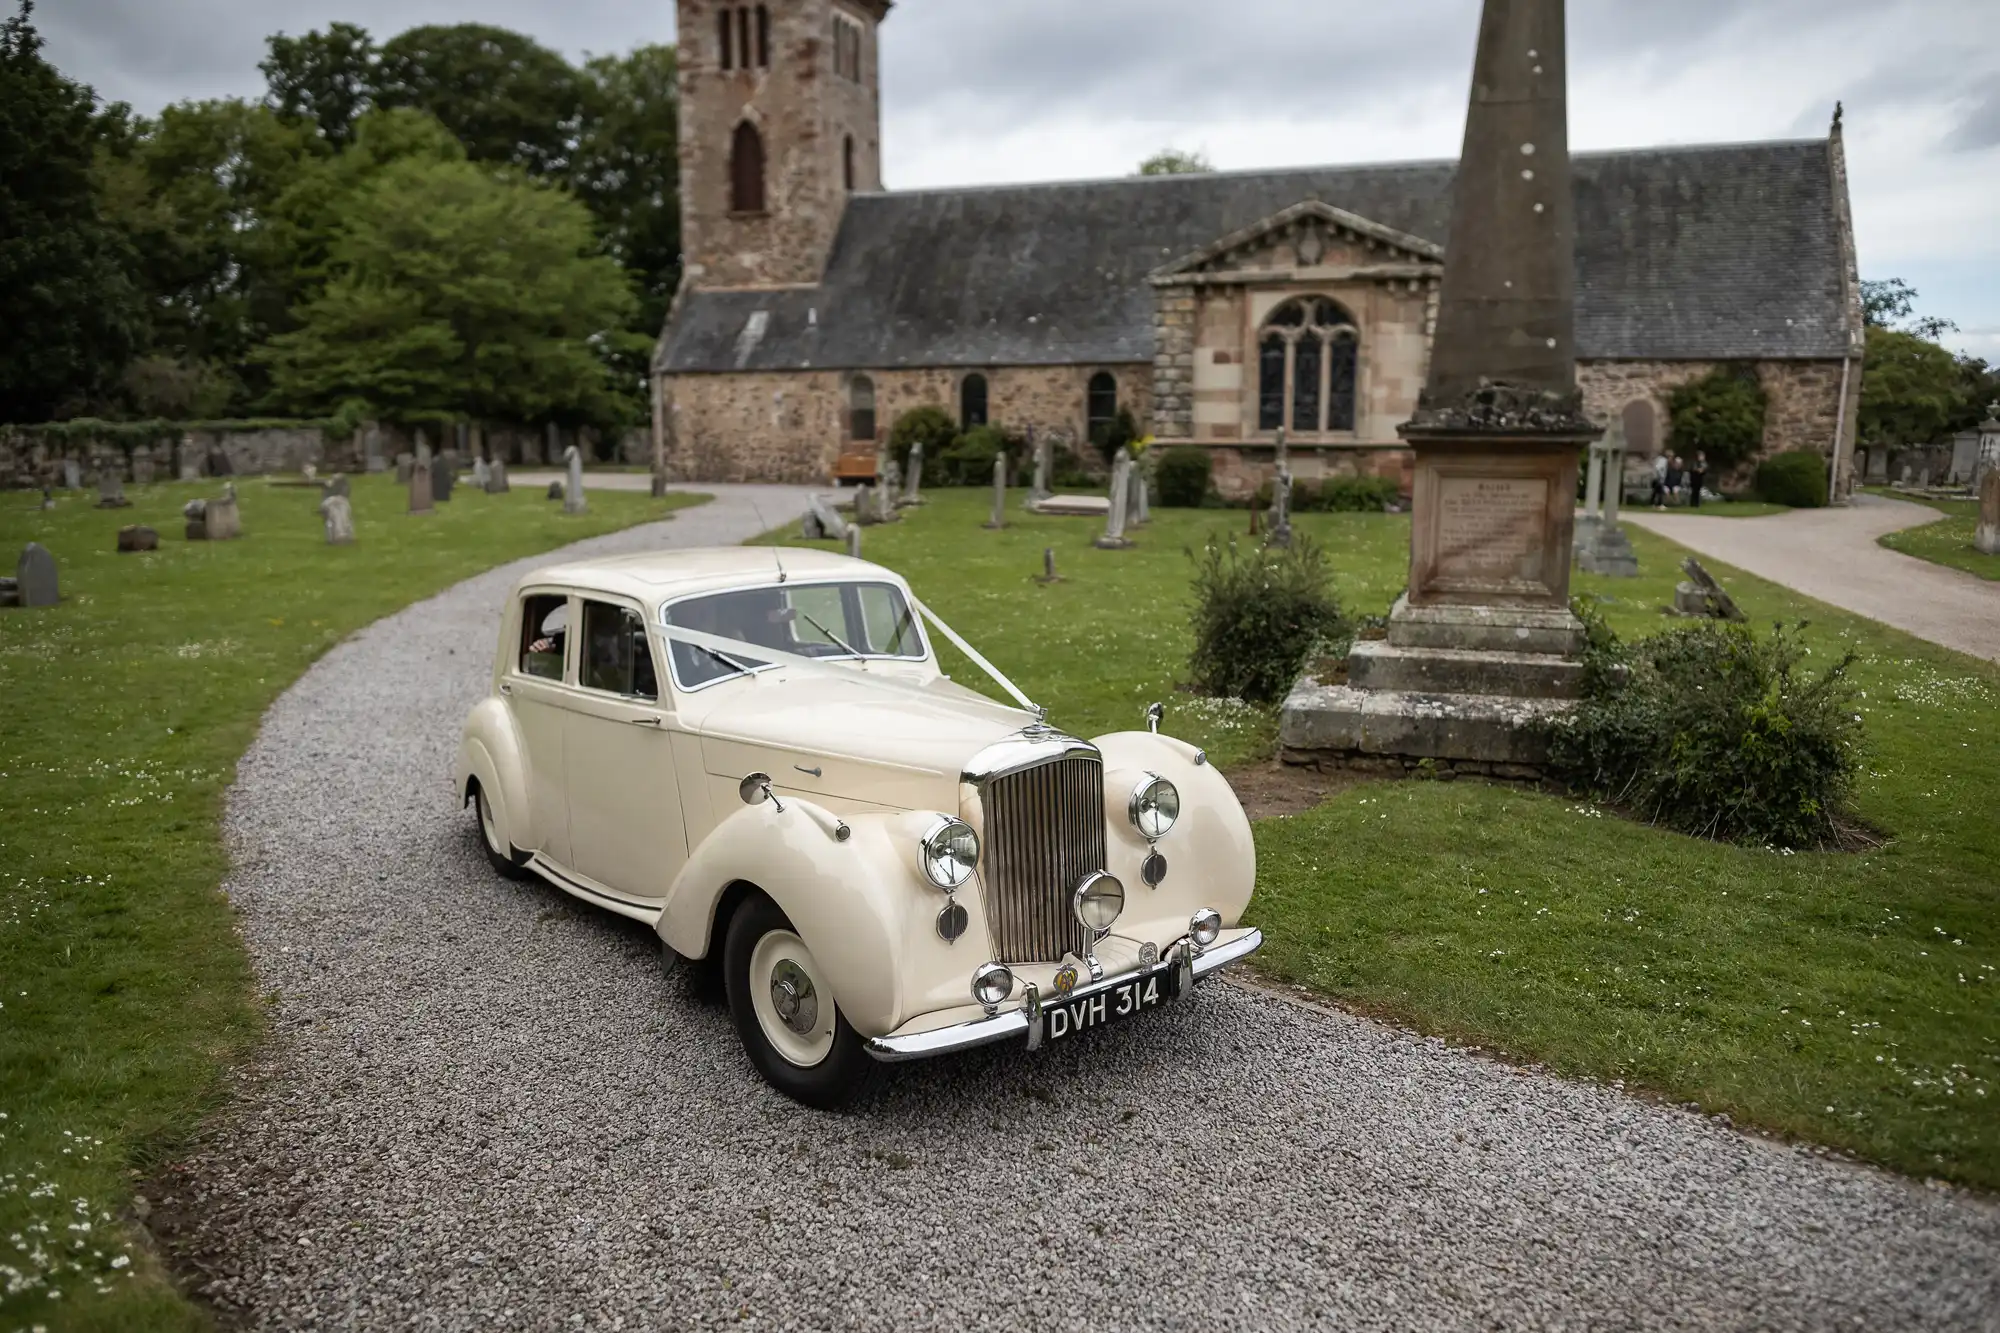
(757, 753)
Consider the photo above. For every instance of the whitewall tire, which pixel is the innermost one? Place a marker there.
(785, 1013)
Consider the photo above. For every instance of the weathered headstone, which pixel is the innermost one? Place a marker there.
(822, 523)
(999, 519)
(373, 461)
(339, 516)
(221, 518)
(133, 537)
(1048, 574)
(482, 473)
(854, 542)
(864, 505)
(496, 477)
(187, 461)
(913, 494)
(72, 474)
(1280, 533)
(143, 468)
(421, 499)
(1702, 595)
(196, 514)
(573, 501)
(1144, 509)
(1601, 546)
(1044, 449)
(35, 577)
(888, 491)
(444, 476)
(111, 490)
(1283, 469)
(337, 484)
(1114, 538)
(555, 490)
(405, 465)
(1986, 536)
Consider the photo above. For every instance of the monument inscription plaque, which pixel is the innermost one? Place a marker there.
(1490, 530)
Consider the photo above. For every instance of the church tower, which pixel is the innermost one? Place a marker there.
(781, 120)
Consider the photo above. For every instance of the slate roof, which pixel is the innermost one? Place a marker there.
(1719, 251)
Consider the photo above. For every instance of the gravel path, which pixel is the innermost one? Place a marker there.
(1832, 554)
(483, 1108)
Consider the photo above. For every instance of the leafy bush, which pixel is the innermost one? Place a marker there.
(1357, 495)
(938, 431)
(1183, 477)
(970, 461)
(1259, 611)
(1715, 731)
(1721, 414)
(1067, 471)
(1115, 434)
(1796, 478)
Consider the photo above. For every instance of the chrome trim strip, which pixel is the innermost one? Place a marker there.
(1014, 1023)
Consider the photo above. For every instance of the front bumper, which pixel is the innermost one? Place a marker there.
(1025, 1021)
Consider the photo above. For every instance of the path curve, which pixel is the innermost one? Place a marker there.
(483, 1108)
(1832, 554)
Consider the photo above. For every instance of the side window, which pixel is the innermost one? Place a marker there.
(544, 632)
(616, 658)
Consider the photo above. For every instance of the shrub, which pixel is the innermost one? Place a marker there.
(1358, 495)
(1796, 478)
(1259, 612)
(1067, 471)
(1183, 476)
(969, 462)
(1115, 434)
(1715, 731)
(1720, 414)
(935, 427)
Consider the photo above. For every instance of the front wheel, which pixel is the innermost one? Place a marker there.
(785, 1013)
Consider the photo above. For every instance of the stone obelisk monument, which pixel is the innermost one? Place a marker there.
(1483, 645)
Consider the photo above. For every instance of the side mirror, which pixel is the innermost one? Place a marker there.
(1154, 713)
(756, 789)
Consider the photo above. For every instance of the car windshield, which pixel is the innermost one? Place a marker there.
(805, 619)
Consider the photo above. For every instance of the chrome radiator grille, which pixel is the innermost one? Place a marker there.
(1044, 833)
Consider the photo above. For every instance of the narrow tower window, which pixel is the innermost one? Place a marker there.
(743, 34)
(727, 44)
(763, 37)
(746, 170)
(1101, 405)
(972, 402)
(847, 162)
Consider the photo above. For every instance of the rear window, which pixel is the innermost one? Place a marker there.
(831, 620)
(544, 635)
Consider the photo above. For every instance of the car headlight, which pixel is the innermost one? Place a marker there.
(992, 983)
(950, 853)
(1205, 925)
(1097, 901)
(1155, 805)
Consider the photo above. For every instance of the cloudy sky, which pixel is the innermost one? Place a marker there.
(984, 91)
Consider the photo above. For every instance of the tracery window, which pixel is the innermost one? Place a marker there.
(972, 402)
(861, 408)
(1307, 356)
(746, 170)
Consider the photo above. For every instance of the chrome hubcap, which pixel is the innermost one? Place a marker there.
(793, 997)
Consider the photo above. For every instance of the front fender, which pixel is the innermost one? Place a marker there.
(1211, 855)
(490, 751)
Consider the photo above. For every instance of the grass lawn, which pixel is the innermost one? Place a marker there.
(123, 987)
(1945, 542)
(1851, 999)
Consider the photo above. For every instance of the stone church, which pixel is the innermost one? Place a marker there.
(817, 306)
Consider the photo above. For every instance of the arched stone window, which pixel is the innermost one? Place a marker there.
(746, 170)
(847, 162)
(861, 408)
(1101, 404)
(972, 402)
(1307, 356)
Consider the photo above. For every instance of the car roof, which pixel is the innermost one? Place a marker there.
(657, 575)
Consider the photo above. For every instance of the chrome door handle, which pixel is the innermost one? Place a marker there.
(647, 722)
(505, 688)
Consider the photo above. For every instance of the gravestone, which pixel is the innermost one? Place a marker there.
(142, 466)
(188, 465)
(372, 450)
(221, 519)
(573, 500)
(133, 537)
(1280, 534)
(1600, 543)
(482, 474)
(336, 485)
(420, 479)
(72, 474)
(196, 514)
(1986, 536)
(822, 523)
(111, 491)
(1113, 538)
(219, 464)
(914, 493)
(555, 490)
(496, 477)
(1048, 574)
(339, 516)
(1701, 595)
(1283, 469)
(1145, 506)
(854, 542)
(864, 505)
(444, 476)
(35, 577)
(999, 519)
(1044, 449)
(888, 491)
(405, 465)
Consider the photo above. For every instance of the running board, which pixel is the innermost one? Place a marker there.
(578, 887)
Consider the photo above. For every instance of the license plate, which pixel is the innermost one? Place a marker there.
(1066, 1018)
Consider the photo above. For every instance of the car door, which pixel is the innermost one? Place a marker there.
(537, 688)
(625, 825)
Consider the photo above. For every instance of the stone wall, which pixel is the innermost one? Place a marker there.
(31, 458)
(792, 425)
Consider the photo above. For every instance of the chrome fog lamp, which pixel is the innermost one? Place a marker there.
(1097, 901)
(950, 853)
(1204, 926)
(1154, 807)
(992, 983)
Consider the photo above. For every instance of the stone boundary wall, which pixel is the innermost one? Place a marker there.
(790, 426)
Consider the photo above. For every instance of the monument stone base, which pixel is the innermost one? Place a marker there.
(1603, 548)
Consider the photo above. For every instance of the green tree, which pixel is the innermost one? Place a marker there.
(627, 169)
(459, 290)
(69, 310)
(1721, 414)
(1909, 388)
(326, 79)
(1891, 302)
(1978, 391)
(506, 97)
(1176, 162)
